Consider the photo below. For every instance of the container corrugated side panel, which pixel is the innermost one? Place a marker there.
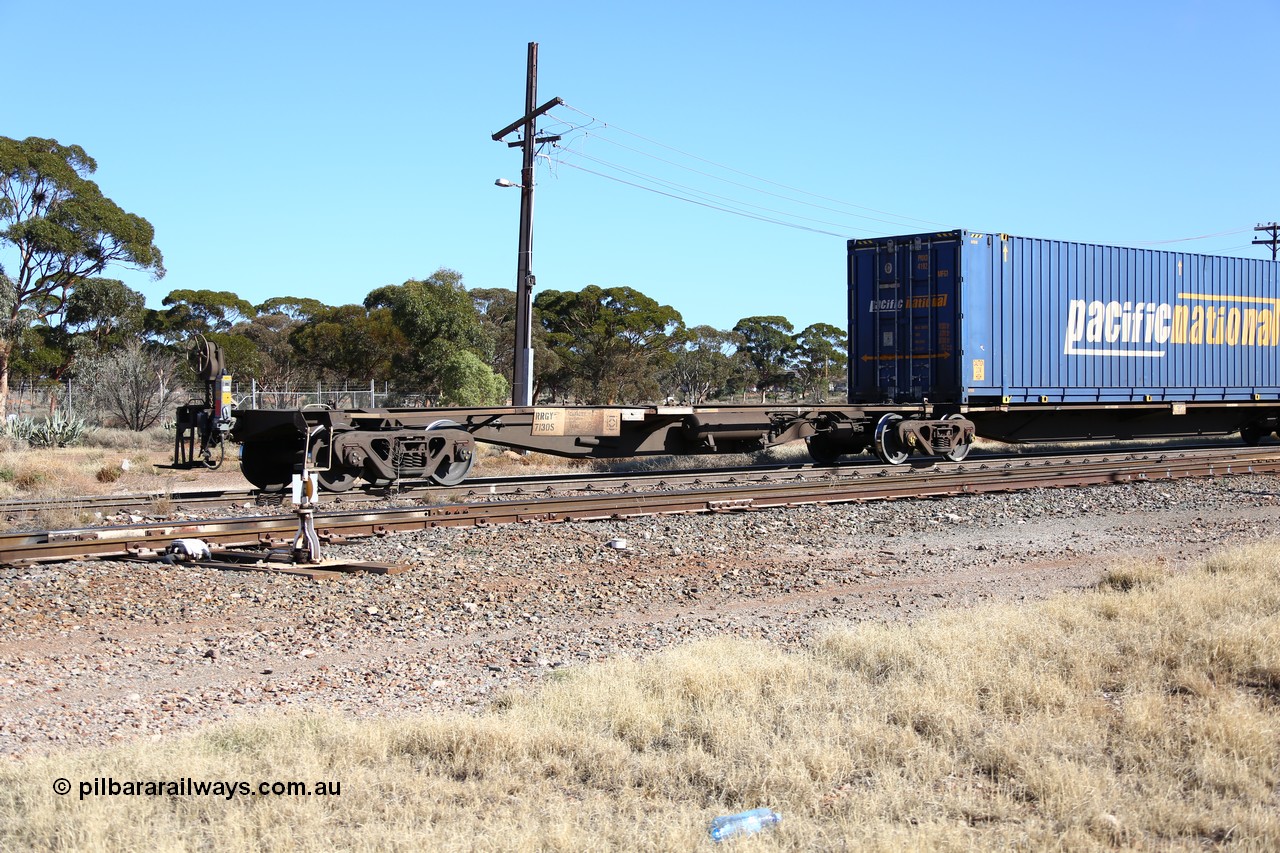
(1074, 322)
(981, 348)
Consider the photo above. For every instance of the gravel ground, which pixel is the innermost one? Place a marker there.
(94, 652)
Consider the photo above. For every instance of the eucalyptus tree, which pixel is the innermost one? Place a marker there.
(99, 315)
(199, 312)
(260, 344)
(349, 343)
(820, 356)
(57, 230)
(703, 366)
(438, 318)
(297, 308)
(105, 312)
(613, 342)
(769, 345)
(497, 308)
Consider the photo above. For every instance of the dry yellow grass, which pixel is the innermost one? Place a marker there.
(55, 474)
(110, 461)
(494, 461)
(1142, 714)
(1103, 446)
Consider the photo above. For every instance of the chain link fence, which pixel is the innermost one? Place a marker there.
(74, 399)
(251, 395)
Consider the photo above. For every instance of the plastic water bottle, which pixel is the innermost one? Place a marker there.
(742, 823)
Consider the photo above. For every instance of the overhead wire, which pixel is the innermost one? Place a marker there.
(747, 174)
(700, 203)
(642, 153)
(574, 133)
(697, 192)
(1189, 239)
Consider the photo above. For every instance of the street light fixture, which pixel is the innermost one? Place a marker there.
(503, 182)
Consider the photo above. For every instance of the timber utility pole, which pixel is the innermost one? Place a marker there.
(522, 373)
(1274, 243)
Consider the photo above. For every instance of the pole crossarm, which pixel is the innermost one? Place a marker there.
(1274, 243)
(554, 102)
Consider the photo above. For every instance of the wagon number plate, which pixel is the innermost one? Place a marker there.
(577, 421)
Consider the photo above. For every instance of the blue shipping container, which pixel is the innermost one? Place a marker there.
(963, 317)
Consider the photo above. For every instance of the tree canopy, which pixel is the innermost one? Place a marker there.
(704, 365)
(768, 345)
(106, 311)
(60, 315)
(60, 230)
(820, 357)
(438, 318)
(350, 342)
(193, 312)
(613, 342)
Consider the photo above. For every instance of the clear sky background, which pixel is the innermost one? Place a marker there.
(325, 149)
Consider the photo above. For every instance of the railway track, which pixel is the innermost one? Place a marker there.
(833, 485)
(490, 488)
(478, 488)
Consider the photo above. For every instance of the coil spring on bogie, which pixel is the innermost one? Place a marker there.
(409, 460)
(413, 460)
(940, 438)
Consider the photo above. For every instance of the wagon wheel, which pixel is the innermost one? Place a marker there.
(886, 443)
(455, 466)
(270, 465)
(337, 477)
(959, 454)
(1251, 434)
(822, 450)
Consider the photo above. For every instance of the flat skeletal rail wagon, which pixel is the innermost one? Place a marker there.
(952, 335)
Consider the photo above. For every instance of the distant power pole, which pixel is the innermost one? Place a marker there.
(1274, 230)
(522, 371)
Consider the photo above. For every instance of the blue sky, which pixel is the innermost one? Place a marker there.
(323, 149)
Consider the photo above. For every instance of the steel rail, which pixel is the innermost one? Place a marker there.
(476, 488)
(490, 488)
(886, 483)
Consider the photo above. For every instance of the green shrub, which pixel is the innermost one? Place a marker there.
(19, 430)
(52, 432)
